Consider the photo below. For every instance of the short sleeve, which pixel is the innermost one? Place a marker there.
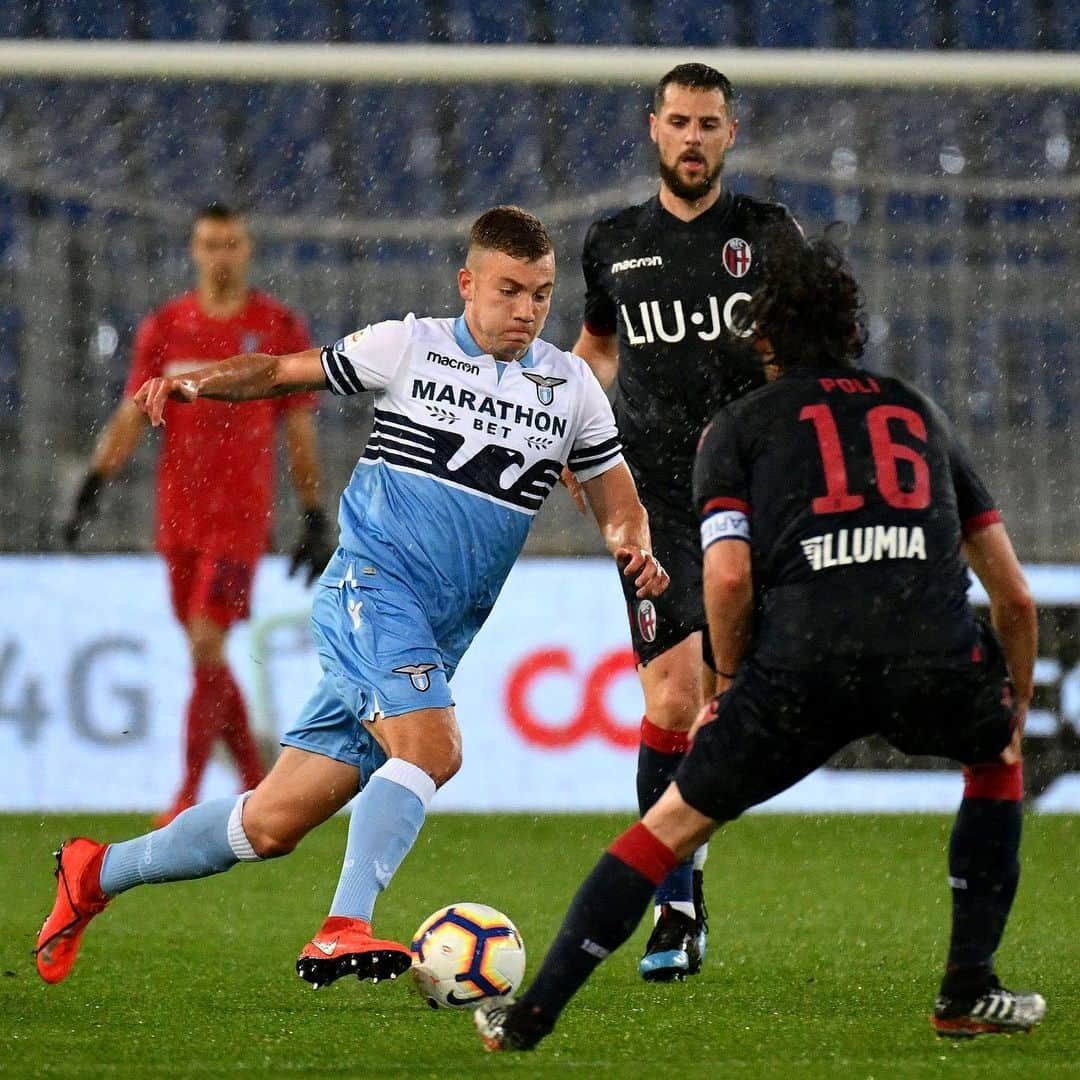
(147, 360)
(367, 359)
(600, 316)
(974, 503)
(721, 483)
(596, 446)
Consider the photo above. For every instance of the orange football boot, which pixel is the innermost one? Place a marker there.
(78, 899)
(345, 947)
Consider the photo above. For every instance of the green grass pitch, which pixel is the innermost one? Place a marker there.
(827, 939)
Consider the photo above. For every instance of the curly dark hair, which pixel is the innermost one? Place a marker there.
(808, 306)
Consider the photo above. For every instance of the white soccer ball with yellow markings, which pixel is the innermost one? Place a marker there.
(465, 954)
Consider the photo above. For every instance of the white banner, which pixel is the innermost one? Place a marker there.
(94, 679)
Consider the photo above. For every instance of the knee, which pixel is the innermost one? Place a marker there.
(439, 758)
(441, 763)
(206, 642)
(447, 767)
(271, 839)
(673, 704)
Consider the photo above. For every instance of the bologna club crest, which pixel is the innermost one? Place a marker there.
(646, 620)
(737, 257)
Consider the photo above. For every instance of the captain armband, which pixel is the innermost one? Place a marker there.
(724, 525)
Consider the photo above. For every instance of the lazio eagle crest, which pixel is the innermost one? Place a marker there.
(545, 386)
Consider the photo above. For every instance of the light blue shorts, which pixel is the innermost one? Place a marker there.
(327, 726)
(378, 655)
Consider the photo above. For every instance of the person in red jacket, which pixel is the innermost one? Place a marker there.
(215, 481)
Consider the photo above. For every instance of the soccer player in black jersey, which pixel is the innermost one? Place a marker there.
(665, 283)
(843, 497)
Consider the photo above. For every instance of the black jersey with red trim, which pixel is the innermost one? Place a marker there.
(854, 495)
(671, 289)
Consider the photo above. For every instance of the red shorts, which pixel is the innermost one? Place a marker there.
(210, 586)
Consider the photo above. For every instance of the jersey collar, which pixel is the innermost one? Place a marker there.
(467, 344)
(717, 212)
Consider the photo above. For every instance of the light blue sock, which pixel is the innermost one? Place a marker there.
(207, 839)
(386, 819)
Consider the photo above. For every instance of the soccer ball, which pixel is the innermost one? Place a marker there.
(465, 954)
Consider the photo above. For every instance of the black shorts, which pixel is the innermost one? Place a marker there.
(775, 726)
(660, 624)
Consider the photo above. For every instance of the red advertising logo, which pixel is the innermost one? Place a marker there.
(592, 717)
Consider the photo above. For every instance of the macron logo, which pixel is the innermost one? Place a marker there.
(634, 264)
(454, 362)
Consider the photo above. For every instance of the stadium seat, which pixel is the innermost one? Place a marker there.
(583, 22)
(175, 20)
(16, 19)
(895, 24)
(1057, 367)
(1063, 22)
(795, 24)
(692, 24)
(286, 20)
(10, 326)
(598, 135)
(81, 21)
(388, 21)
(995, 24)
(502, 135)
(399, 175)
(490, 22)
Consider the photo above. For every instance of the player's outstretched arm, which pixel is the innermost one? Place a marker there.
(990, 554)
(601, 353)
(624, 525)
(241, 378)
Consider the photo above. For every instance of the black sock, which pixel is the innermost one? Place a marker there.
(603, 914)
(659, 756)
(984, 869)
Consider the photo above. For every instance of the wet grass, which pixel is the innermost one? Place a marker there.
(827, 939)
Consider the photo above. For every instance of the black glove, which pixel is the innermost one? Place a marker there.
(86, 500)
(315, 547)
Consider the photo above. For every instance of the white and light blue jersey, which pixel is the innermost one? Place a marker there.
(463, 453)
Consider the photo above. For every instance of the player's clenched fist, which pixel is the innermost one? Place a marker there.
(652, 579)
(154, 393)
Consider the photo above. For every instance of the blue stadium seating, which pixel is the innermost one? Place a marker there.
(894, 24)
(1063, 21)
(692, 24)
(584, 22)
(396, 173)
(10, 325)
(995, 24)
(794, 24)
(287, 20)
(75, 19)
(177, 20)
(388, 21)
(490, 22)
(16, 18)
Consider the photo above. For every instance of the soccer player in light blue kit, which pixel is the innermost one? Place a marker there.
(474, 420)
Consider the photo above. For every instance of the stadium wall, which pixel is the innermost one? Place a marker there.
(93, 681)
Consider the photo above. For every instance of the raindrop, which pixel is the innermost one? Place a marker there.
(1058, 149)
(106, 340)
(952, 159)
(844, 162)
(878, 329)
